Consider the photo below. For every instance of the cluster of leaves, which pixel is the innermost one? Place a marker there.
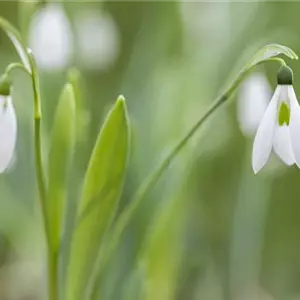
(101, 191)
(96, 233)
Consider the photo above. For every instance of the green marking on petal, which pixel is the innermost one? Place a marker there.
(284, 114)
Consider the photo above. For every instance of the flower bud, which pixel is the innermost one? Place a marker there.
(285, 76)
(5, 85)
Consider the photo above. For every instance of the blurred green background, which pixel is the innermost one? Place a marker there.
(210, 229)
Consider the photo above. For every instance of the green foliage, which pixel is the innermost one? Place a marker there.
(167, 94)
(124, 219)
(60, 157)
(102, 187)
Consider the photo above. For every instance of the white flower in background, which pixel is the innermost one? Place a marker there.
(8, 129)
(280, 126)
(98, 39)
(50, 37)
(253, 99)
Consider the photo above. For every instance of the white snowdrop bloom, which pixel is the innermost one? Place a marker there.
(50, 37)
(8, 131)
(252, 102)
(279, 128)
(98, 39)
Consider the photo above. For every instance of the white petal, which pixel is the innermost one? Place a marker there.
(8, 132)
(263, 141)
(253, 99)
(294, 124)
(50, 37)
(282, 144)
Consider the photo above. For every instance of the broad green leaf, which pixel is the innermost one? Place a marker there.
(102, 188)
(61, 149)
(16, 39)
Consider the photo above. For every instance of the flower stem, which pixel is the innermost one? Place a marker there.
(52, 258)
(16, 66)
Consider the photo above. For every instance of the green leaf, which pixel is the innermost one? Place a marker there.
(61, 151)
(16, 39)
(101, 191)
(269, 51)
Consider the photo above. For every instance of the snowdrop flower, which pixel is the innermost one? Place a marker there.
(8, 126)
(253, 98)
(279, 128)
(98, 39)
(50, 37)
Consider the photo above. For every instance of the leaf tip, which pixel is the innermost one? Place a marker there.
(68, 94)
(69, 89)
(121, 98)
(121, 102)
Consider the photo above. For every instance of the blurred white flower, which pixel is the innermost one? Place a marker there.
(98, 39)
(253, 99)
(280, 126)
(8, 132)
(50, 37)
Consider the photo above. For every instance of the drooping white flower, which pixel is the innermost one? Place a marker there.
(253, 98)
(280, 126)
(8, 131)
(98, 39)
(50, 37)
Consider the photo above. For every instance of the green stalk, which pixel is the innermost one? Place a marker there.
(52, 258)
(149, 183)
(16, 66)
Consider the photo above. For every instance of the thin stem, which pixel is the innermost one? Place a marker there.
(51, 257)
(16, 66)
(245, 71)
(277, 59)
(36, 96)
(144, 189)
